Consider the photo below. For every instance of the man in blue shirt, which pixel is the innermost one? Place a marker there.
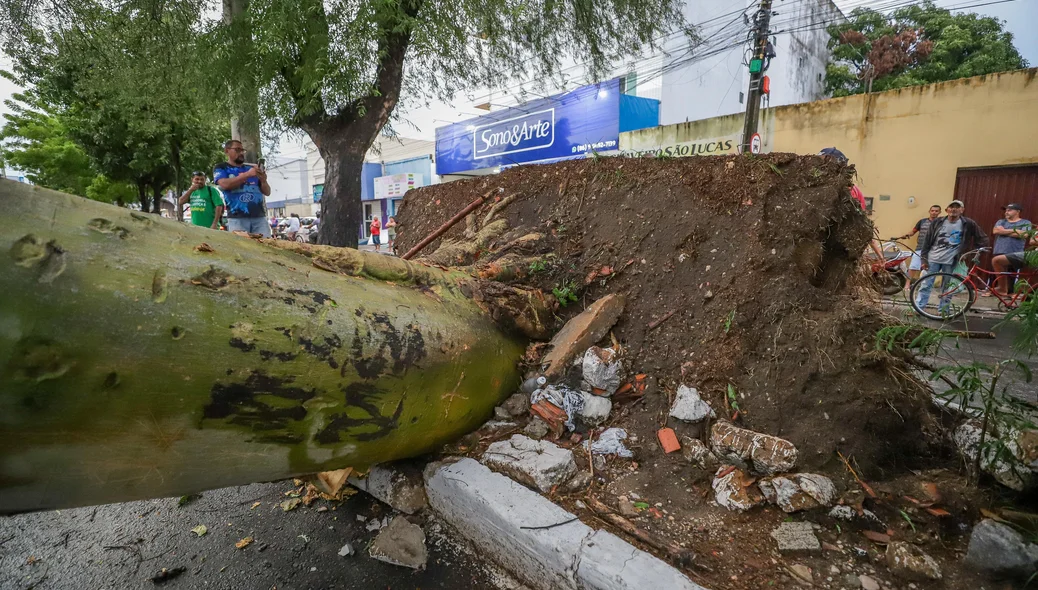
(244, 186)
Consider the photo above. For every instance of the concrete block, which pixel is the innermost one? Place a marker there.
(796, 537)
(537, 463)
(607, 562)
(500, 517)
(491, 510)
(398, 484)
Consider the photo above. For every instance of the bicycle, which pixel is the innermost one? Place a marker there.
(958, 293)
(890, 276)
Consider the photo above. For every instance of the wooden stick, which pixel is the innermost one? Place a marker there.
(446, 226)
(675, 552)
(656, 324)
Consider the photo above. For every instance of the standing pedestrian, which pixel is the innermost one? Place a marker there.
(858, 197)
(206, 202)
(1011, 235)
(244, 187)
(945, 241)
(921, 227)
(293, 227)
(376, 229)
(390, 232)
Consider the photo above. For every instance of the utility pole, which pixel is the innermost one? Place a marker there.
(761, 22)
(245, 121)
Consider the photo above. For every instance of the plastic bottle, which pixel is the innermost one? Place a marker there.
(533, 384)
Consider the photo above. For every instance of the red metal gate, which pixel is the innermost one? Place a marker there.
(986, 190)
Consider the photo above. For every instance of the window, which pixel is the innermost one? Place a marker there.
(868, 204)
(742, 97)
(629, 84)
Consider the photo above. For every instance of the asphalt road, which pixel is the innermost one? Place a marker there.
(121, 546)
(990, 351)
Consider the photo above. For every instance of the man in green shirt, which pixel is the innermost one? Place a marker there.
(206, 202)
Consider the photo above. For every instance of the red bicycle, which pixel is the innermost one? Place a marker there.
(956, 294)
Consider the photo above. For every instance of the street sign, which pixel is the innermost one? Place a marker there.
(755, 143)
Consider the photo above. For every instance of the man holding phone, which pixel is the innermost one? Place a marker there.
(206, 202)
(244, 186)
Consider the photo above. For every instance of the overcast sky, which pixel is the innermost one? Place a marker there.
(1021, 17)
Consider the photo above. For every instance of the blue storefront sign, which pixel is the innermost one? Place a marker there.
(567, 125)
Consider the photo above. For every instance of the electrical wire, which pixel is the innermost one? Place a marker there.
(583, 80)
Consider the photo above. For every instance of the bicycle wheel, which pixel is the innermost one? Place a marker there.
(954, 296)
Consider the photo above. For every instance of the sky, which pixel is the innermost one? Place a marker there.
(1020, 17)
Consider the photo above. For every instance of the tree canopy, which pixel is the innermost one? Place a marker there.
(917, 44)
(127, 81)
(35, 141)
(337, 70)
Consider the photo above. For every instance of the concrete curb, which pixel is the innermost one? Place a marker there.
(536, 540)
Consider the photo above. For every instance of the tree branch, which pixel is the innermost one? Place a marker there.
(376, 108)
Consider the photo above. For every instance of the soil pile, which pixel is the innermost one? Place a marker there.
(737, 271)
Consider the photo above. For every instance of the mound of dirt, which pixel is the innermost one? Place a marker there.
(737, 275)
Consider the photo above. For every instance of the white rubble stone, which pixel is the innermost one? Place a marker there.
(689, 407)
(400, 543)
(796, 537)
(731, 491)
(596, 409)
(601, 370)
(911, 563)
(537, 463)
(697, 453)
(798, 491)
(842, 513)
(537, 429)
(767, 454)
(967, 440)
(398, 484)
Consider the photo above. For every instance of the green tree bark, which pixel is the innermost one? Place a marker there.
(137, 362)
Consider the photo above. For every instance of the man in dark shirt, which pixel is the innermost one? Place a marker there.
(946, 240)
(244, 186)
(921, 227)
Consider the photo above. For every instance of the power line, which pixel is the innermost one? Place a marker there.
(664, 38)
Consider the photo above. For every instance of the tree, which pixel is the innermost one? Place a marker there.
(337, 70)
(137, 364)
(129, 83)
(918, 44)
(35, 141)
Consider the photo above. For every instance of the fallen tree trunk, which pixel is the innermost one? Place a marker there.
(141, 357)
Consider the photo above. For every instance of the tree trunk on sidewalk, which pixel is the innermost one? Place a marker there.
(343, 154)
(156, 200)
(142, 196)
(141, 357)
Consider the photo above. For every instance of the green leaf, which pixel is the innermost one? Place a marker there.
(291, 504)
(200, 530)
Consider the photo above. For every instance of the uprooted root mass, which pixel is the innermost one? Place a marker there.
(736, 271)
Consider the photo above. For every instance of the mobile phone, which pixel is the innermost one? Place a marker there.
(262, 164)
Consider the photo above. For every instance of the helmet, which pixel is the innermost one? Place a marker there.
(834, 153)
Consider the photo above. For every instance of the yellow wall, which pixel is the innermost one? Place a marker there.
(906, 144)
